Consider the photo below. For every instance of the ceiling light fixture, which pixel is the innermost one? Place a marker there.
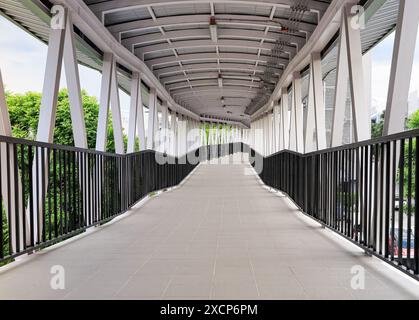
(220, 81)
(213, 30)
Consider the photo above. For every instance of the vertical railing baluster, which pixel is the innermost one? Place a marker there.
(16, 199)
(387, 199)
(393, 197)
(409, 202)
(375, 198)
(416, 266)
(2, 254)
(23, 192)
(382, 200)
(401, 203)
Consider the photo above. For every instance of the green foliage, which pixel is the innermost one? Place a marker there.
(413, 121)
(377, 128)
(208, 128)
(24, 112)
(24, 117)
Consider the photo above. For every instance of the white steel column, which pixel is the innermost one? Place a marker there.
(174, 135)
(277, 126)
(350, 66)
(47, 116)
(261, 137)
(105, 94)
(310, 143)
(284, 120)
(316, 78)
(401, 67)
(140, 121)
(181, 136)
(134, 109)
(271, 134)
(258, 135)
(360, 112)
(342, 76)
(51, 85)
(209, 134)
(74, 89)
(9, 206)
(204, 139)
(252, 135)
(5, 126)
(165, 127)
(266, 135)
(152, 114)
(116, 112)
(296, 132)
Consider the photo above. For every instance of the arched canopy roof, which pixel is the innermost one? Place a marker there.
(210, 54)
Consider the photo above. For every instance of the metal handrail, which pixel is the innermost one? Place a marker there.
(367, 192)
(50, 193)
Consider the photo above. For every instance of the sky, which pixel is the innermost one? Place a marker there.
(381, 64)
(23, 58)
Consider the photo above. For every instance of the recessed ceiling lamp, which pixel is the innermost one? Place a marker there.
(213, 30)
(220, 81)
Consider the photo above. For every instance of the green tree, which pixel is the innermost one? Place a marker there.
(24, 117)
(413, 121)
(377, 128)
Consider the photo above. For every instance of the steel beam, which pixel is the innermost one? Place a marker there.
(105, 94)
(204, 19)
(316, 79)
(203, 34)
(49, 101)
(284, 120)
(130, 43)
(116, 112)
(74, 89)
(152, 63)
(277, 127)
(360, 112)
(102, 8)
(296, 130)
(152, 115)
(341, 91)
(134, 110)
(222, 66)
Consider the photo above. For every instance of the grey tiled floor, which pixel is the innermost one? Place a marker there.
(222, 235)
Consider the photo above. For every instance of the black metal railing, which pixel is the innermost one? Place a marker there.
(50, 193)
(367, 192)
